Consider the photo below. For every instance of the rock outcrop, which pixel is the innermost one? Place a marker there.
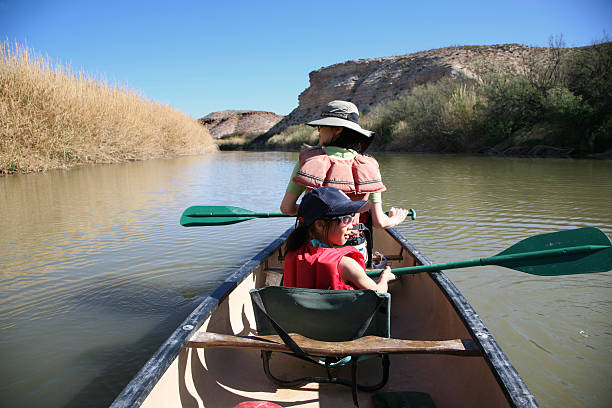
(239, 122)
(368, 82)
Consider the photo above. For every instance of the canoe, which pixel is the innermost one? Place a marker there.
(424, 307)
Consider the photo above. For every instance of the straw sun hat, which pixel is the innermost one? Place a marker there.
(341, 113)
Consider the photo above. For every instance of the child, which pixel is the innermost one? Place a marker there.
(316, 256)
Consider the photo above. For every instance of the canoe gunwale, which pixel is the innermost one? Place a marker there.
(508, 378)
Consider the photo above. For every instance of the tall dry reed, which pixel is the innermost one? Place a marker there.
(52, 118)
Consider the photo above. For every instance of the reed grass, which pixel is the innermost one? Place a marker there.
(232, 142)
(53, 118)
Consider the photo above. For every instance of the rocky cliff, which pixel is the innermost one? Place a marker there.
(239, 122)
(368, 82)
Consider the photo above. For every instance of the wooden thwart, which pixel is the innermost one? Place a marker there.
(363, 346)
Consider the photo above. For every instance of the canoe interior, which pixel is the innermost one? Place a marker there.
(420, 310)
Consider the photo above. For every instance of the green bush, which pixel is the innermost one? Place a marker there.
(563, 100)
(462, 119)
(435, 117)
(294, 137)
(562, 106)
(589, 74)
(510, 103)
(383, 118)
(601, 137)
(570, 116)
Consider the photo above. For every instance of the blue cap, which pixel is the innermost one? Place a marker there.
(326, 202)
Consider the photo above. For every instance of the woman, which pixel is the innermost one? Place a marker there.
(339, 162)
(316, 257)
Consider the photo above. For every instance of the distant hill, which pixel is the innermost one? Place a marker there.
(239, 122)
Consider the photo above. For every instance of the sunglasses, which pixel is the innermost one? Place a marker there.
(343, 219)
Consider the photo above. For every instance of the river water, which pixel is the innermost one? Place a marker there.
(96, 272)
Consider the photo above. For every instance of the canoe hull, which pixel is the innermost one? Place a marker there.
(424, 306)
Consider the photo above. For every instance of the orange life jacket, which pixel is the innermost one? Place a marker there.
(317, 268)
(357, 177)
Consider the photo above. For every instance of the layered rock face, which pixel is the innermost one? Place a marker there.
(239, 122)
(368, 82)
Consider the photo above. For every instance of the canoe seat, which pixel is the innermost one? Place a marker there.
(326, 315)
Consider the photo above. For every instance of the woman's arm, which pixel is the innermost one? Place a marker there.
(382, 220)
(288, 205)
(352, 271)
(292, 193)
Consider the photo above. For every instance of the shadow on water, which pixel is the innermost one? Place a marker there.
(124, 361)
(117, 364)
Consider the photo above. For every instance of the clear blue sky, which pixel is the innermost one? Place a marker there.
(205, 56)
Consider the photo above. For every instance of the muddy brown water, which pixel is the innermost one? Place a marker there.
(96, 272)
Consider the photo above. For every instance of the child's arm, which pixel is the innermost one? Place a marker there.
(352, 271)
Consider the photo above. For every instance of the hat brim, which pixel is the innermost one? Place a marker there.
(349, 207)
(332, 121)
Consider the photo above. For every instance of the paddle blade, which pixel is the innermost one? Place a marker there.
(209, 215)
(598, 260)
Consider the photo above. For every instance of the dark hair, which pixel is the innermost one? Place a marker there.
(351, 139)
(301, 234)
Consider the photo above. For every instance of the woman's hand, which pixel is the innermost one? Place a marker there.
(393, 218)
(397, 215)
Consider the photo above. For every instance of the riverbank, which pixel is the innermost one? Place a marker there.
(298, 137)
(54, 118)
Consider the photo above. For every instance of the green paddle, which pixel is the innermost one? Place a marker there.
(577, 251)
(206, 215)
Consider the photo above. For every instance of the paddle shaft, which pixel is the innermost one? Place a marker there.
(206, 214)
(233, 215)
(496, 260)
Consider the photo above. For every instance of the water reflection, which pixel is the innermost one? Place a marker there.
(95, 261)
(96, 272)
(499, 200)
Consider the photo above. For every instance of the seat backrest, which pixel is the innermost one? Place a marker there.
(327, 315)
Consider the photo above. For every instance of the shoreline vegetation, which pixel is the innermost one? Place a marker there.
(556, 106)
(53, 119)
(559, 106)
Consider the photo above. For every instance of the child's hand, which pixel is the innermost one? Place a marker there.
(353, 233)
(387, 275)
